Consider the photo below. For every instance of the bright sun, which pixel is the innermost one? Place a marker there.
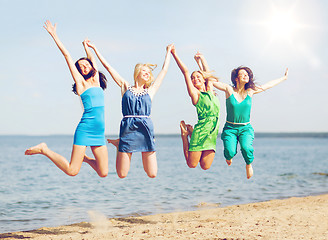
(282, 24)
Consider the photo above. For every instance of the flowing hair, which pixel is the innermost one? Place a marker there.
(93, 71)
(251, 83)
(208, 77)
(137, 70)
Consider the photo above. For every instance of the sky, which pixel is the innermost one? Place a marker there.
(267, 36)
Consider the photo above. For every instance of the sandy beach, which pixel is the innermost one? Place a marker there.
(293, 218)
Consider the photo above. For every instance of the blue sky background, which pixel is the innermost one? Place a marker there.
(35, 82)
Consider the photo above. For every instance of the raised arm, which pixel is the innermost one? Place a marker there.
(159, 79)
(117, 78)
(271, 83)
(203, 66)
(201, 61)
(223, 87)
(89, 53)
(192, 91)
(78, 78)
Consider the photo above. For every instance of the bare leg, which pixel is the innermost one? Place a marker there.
(193, 159)
(115, 142)
(150, 163)
(207, 159)
(100, 162)
(184, 137)
(90, 161)
(249, 171)
(123, 161)
(70, 168)
(87, 159)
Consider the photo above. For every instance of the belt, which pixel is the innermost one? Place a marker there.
(238, 123)
(131, 116)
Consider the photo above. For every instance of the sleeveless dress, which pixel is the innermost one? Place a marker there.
(91, 128)
(207, 128)
(136, 130)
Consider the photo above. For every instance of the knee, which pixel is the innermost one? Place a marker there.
(205, 166)
(152, 175)
(229, 153)
(121, 175)
(103, 174)
(247, 150)
(248, 155)
(192, 164)
(72, 172)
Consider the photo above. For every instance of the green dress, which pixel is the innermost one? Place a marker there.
(207, 128)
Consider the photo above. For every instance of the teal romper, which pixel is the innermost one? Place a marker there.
(238, 129)
(206, 129)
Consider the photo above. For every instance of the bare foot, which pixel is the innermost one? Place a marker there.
(190, 129)
(38, 149)
(229, 162)
(183, 128)
(115, 142)
(249, 171)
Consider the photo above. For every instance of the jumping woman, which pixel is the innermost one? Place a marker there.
(136, 129)
(238, 104)
(202, 145)
(89, 85)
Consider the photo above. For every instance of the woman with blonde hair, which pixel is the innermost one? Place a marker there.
(202, 145)
(136, 129)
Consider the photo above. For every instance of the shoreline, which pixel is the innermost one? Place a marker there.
(290, 218)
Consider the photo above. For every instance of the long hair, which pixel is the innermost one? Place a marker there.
(137, 70)
(93, 71)
(234, 74)
(208, 76)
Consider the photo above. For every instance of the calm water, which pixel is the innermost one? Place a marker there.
(34, 193)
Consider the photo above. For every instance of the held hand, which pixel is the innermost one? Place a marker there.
(88, 43)
(170, 47)
(84, 43)
(198, 56)
(50, 28)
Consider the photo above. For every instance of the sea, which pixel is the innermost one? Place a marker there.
(34, 193)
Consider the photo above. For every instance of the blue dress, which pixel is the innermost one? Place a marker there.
(91, 128)
(136, 130)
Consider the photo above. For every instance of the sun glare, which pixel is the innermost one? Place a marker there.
(282, 25)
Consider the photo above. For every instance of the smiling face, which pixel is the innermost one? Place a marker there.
(144, 74)
(85, 67)
(198, 80)
(242, 76)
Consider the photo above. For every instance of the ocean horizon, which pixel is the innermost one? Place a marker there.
(257, 134)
